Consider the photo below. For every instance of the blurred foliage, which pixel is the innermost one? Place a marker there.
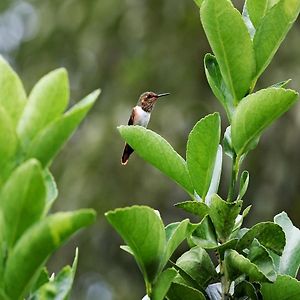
(127, 47)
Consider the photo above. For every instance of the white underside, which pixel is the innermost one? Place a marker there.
(142, 117)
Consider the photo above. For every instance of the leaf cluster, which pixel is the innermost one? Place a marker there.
(253, 263)
(33, 130)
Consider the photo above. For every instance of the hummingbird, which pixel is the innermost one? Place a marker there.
(140, 115)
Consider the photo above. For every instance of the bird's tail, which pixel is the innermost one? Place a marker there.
(126, 154)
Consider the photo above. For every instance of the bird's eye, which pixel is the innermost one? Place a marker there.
(149, 96)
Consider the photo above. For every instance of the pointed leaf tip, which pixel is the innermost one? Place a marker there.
(143, 231)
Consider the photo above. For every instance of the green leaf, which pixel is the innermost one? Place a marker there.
(245, 288)
(8, 143)
(282, 84)
(239, 221)
(227, 143)
(216, 176)
(184, 278)
(184, 292)
(3, 248)
(201, 152)
(163, 284)
(259, 255)
(256, 112)
(244, 182)
(175, 234)
(22, 199)
(158, 152)
(217, 84)
(284, 288)
(197, 208)
(12, 94)
(231, 43)
(248, 22)
(198, 2)
(59, 287)
(268, 234)
(290, 259)
(51, 189)
(127, 249)
(47, 101)
(51, 139)
(272, 31)
(143, 231)
(237, 265)
(223, 215)
(204, 235)
(257, 10)
(35, 246)
(198, 265)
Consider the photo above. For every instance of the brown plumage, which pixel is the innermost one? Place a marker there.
(140, 115)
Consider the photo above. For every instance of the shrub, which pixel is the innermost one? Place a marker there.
(33, 130)
(253, 263)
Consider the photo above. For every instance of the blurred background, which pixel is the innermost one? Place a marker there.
(126, 47)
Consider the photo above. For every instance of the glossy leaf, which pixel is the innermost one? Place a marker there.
(51, 139)
(47, 101)
(51, 189)
(158, 152)
(223, 215)
(201, 152)
(259, 255)
(22, 199)
(12, 93)
(244, 182)
(227, 143)
(163, 284)
(8, 143)
(217, 84)
(237, 265)
(41, 240)
(176, 233)
(248, 22)
(231, 43)
(256, 112)
(268, 234)
(239, 221)
(198, 265)
(184, 292)
(284, 288)
(257, 10)
(185, 279)
(277, 21)
(216, 175)
(143, 231)
(290, 259)
(197, 208)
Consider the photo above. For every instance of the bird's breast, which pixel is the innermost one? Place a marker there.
(141, 117)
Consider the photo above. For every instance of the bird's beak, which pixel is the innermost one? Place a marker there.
(162, 95)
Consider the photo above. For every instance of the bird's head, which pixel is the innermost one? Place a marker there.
(148, 99)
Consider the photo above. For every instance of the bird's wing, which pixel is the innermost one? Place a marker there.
(131, 119)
